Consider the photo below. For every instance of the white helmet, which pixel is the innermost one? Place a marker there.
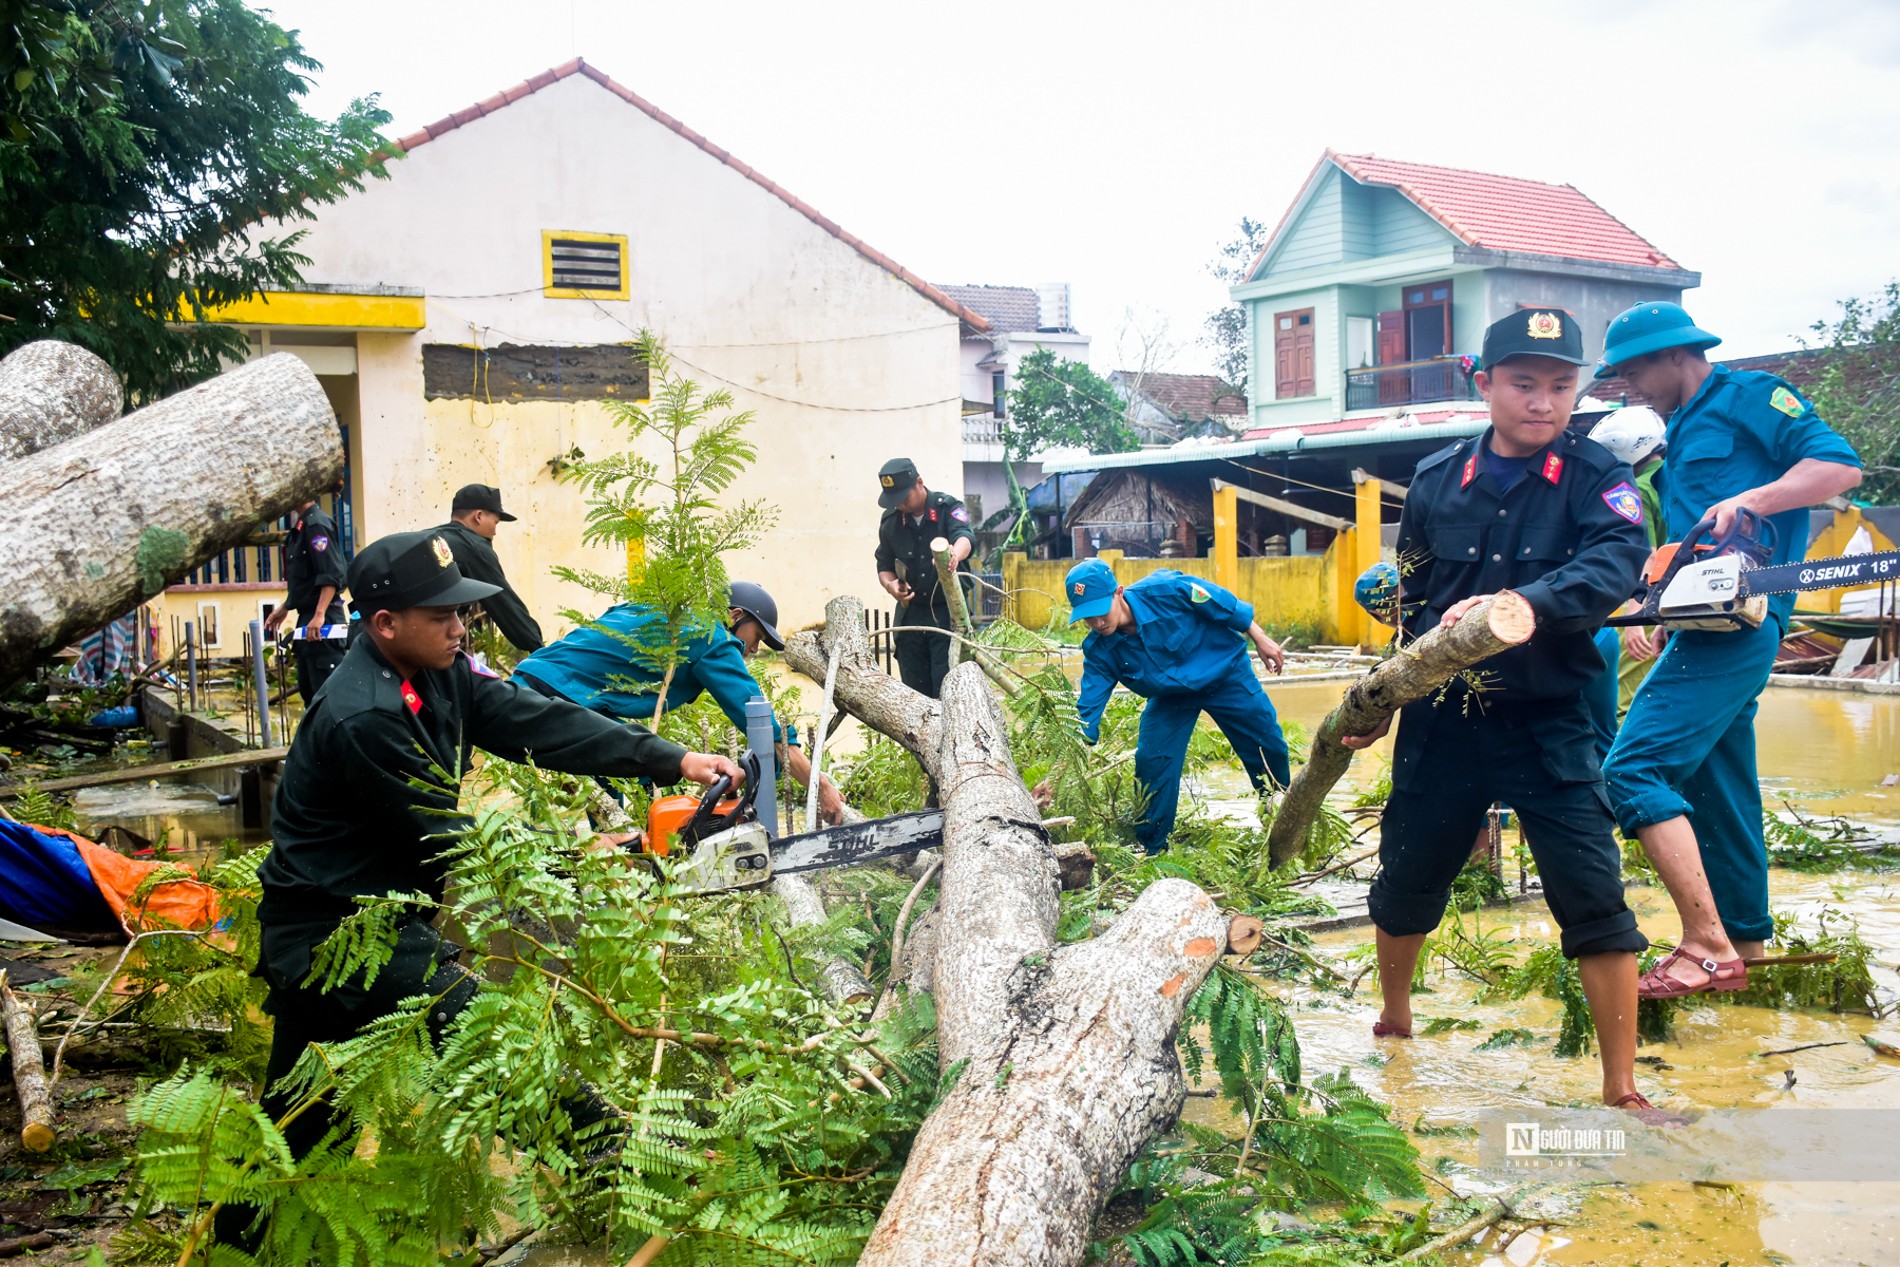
(1632, 433)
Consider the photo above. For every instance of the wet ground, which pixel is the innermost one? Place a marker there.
(1827, 753)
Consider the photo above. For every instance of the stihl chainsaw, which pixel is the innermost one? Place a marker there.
(1722, 583)
(722, 844)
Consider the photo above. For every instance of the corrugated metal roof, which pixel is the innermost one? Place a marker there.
(1289, 441)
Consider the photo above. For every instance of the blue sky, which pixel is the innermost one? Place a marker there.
(1115, 146)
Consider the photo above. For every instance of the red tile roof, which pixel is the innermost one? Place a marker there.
(1187, 397)
(1501, 213)
(508, 96)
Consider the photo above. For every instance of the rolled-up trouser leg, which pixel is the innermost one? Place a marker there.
(1160, 749)
(1697, 709)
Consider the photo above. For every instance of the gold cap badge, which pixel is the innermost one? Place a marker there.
(888, 481)
(1546, 325)
(443, 558)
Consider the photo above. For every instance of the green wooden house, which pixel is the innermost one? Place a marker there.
(1372, 296)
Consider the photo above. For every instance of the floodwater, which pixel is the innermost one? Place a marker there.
(1827, 753)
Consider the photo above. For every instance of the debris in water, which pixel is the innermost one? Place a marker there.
(1885, 1044)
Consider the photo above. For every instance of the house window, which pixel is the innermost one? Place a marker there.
(998, 394)
(1293, 354)
(583, 265)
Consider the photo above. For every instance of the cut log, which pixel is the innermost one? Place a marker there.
(953, 594)
(106, 520)
(1244, 934)
(52, 391)
(1501, 622)
(1065, 1057)
(29, 1071)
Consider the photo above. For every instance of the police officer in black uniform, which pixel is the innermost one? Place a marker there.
(474, 517)
(363, 803)
(1556, 518)
(313, 575)
(913, 517)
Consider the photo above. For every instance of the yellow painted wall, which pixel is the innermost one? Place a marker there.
(1283, 591)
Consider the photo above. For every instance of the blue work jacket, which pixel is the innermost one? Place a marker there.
(595, 668)
(1188, 639)
(1743, 429)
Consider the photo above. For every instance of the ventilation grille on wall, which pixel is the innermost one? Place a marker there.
(585, 265)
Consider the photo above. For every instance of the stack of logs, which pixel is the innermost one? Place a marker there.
(105, 511)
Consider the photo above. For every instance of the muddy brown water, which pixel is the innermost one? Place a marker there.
(1825, 751)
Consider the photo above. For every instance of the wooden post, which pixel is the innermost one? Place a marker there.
(1347, 617)
(1367, 545)
(1226, 537)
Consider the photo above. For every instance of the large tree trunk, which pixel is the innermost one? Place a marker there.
(1065, 1055)
(1418, 669)
(52, 391)
(104, 521)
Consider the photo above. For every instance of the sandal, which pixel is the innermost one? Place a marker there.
(1381, 1030)
(1638, 1103)
(1723, 977)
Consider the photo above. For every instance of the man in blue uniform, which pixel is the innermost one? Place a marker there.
(1682, 773)
(1182, 643)
(313, 577)
(364, 809)
(1526, 507)
(596, 667)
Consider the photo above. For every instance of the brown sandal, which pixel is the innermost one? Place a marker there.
(1381, 1030)
(1723, 977)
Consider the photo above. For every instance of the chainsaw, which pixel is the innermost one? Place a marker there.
(1722, 583)
(720, 842)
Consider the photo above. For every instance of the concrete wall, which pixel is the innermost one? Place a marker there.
(844, 364)
(1594, 302)
(1284, 592)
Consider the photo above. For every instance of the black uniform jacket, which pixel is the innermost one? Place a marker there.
(313, 558)
(475, 558)
(372, 776)
(900, 542)
(1568, 536)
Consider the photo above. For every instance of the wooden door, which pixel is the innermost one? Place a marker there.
(1392, 351)
(1293, 354)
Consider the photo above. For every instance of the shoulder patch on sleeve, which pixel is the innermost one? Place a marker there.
(959, 514)
(319, 544)
(1625, 501)
(1196, 594)
(1787, 402)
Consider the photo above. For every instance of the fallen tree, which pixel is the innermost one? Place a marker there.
(107, 519)
(52, 391)
(1062, 1057)
(1419, 668)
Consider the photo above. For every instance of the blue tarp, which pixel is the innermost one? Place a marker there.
(44, 881)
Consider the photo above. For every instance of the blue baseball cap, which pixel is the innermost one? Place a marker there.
(1091, 587)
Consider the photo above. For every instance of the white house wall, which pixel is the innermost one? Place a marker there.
(844, 364)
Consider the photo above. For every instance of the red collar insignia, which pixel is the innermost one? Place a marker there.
(410, 698)
(1553, 467)
(1471, 471)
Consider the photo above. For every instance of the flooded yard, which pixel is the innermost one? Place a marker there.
(1825, 752)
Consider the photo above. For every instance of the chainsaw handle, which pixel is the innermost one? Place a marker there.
(706, 814)
(1749, 534)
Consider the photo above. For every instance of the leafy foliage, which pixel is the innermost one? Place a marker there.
(142, 147)
(1055, 401)
(672, 516)
(1858, 391)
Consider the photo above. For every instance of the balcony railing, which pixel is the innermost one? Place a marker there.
(1409, 383)
(982, 429)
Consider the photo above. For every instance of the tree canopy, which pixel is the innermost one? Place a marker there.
(148, 155)
(1226, 327)
(1060, 402)
(1858, 391)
